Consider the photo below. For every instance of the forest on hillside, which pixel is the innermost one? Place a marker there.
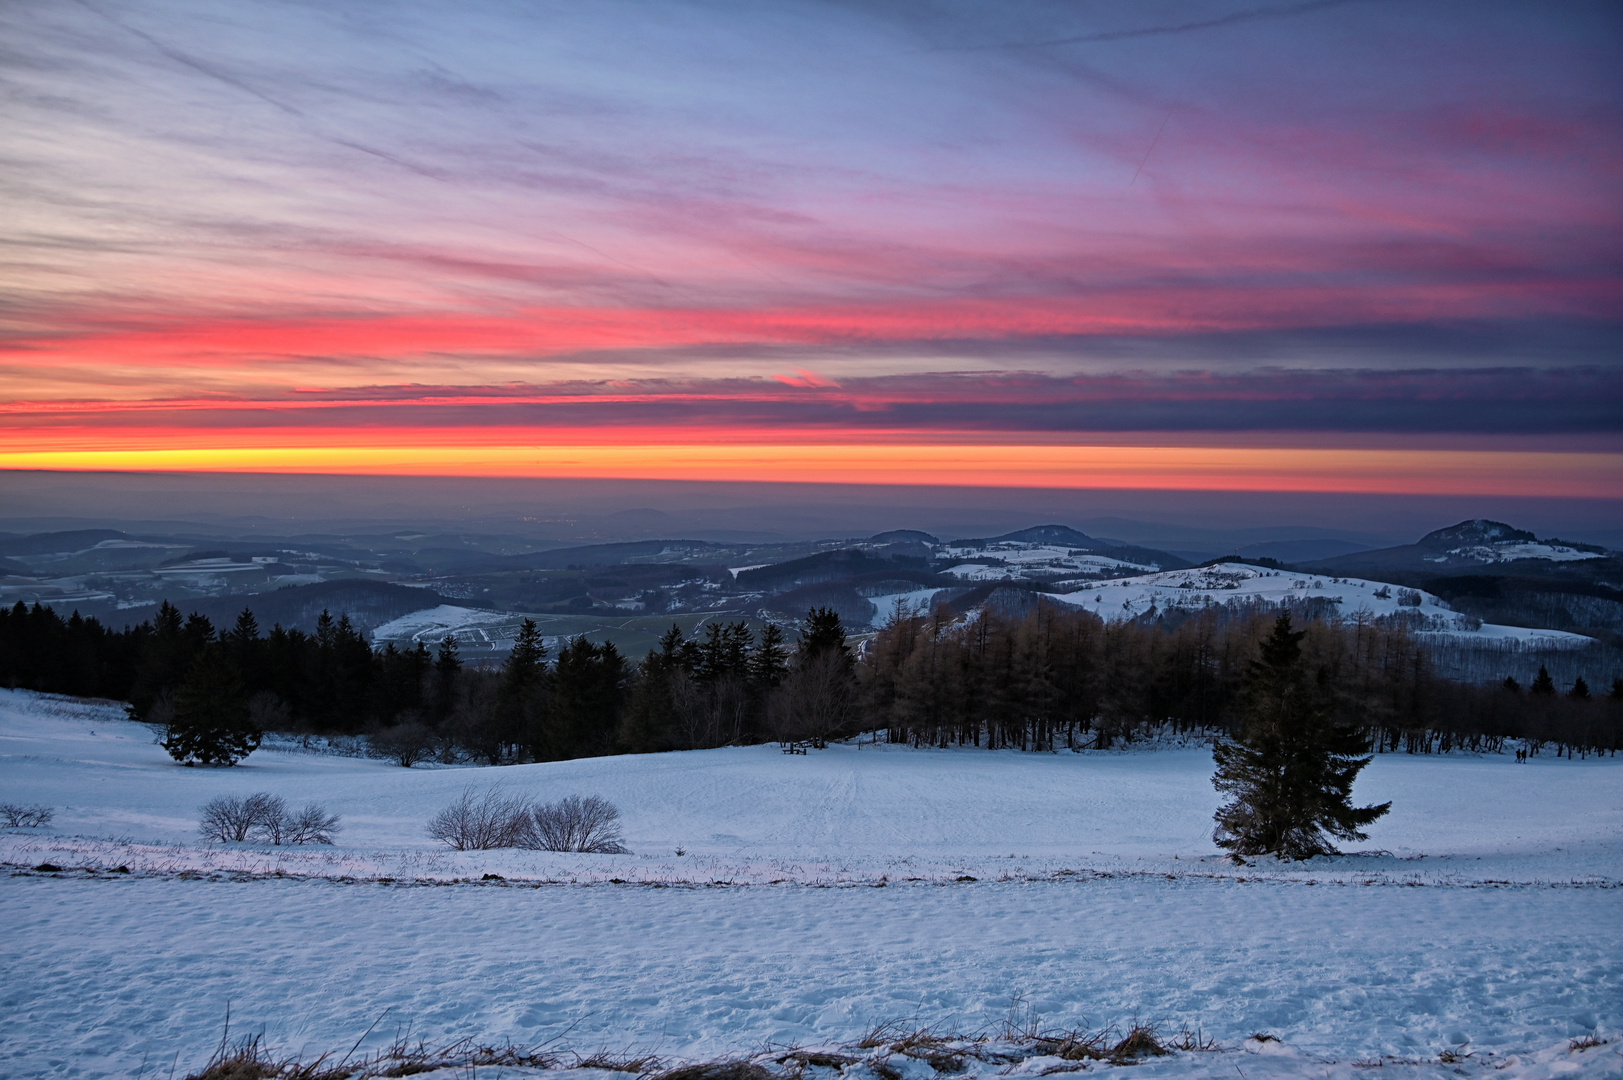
(1046, 679)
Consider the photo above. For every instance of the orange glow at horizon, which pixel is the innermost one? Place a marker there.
(755, 457)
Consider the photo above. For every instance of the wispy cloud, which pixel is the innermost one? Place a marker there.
(1027, 217)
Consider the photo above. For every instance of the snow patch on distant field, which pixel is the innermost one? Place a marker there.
(432, 624)
(1026, 562)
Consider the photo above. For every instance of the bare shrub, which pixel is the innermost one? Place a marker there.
(482, 820)
(312, 825)
(576, 823)
(405, 744)
(233, 818)
(272, 818)
(17, 816)
(265, 817)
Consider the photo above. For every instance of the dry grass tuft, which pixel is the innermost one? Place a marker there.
(818, 1058)
(1141, 1041)
(618, 1062)
(1074, 1046)
(737, 1069)
(1588, 1042)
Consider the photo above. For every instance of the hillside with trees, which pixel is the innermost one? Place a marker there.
(1040, 678)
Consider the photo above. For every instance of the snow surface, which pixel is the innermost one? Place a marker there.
(1127, 598)
(1484, 910)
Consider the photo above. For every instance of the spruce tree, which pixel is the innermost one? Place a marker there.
(769, 661)
(1543, 685)
(520, 697)
(1289, 773)
(211, 723)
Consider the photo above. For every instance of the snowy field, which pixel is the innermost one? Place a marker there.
(1483, 917)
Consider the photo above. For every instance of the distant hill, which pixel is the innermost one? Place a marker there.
(824, 566)
(1502, 574)
(367, 603)
(1058, 535)
(616, 554)
(1063, 536)
(1466, 548)
(904, 536)
(1474, 532)
(53, 542)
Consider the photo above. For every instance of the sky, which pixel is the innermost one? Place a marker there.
(1343, 246)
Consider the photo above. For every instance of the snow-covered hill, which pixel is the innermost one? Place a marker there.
(1470, 546)
(1480, 918)
(1126, 598)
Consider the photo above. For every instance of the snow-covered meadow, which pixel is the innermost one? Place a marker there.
(1484, 916)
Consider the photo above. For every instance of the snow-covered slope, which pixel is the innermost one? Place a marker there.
(1034, 562)
(1126, 598)
(1499, 553)
(1480, 916)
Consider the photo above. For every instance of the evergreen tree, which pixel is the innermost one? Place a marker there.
(1543, 685)
(584, 711)
(822, 633)
(447, 666)
(211, 723)
(1579, 691)
(1289, 773)
(769, 661)
(520, 697)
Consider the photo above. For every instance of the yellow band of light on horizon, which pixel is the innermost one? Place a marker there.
(1401, 471)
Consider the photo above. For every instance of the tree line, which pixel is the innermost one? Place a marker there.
(216, 691)
(1049, 678)
(1055, 677)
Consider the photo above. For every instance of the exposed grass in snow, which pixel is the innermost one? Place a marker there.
(893, 1052)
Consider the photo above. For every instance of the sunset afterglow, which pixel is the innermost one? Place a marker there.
(1035, 248)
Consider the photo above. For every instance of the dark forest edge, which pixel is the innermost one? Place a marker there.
(1052, 678)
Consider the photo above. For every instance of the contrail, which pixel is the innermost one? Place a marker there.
(1275, 11)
